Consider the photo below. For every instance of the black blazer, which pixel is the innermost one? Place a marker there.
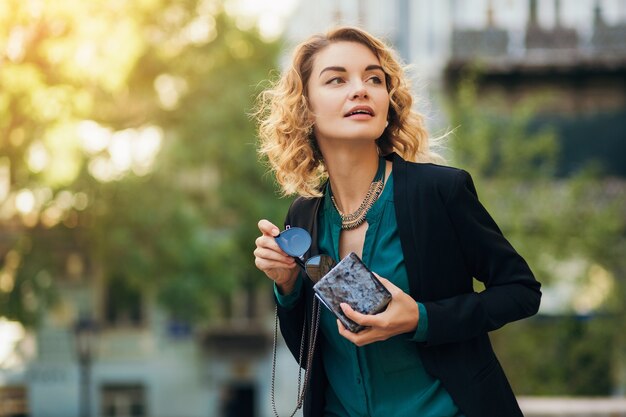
(447, 238)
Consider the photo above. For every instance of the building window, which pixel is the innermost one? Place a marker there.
(123, 400)
(238, 400)
(124, 307)
(13, 402)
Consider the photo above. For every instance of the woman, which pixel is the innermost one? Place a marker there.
(342, 112)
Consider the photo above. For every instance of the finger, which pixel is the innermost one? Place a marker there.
(268, 242)
(268, 228)
(359, 318)
(268, 248)
(361, 338)
(267, 266)
(270, 255)
(391, 287)
(343, 331)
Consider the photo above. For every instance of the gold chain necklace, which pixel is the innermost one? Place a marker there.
(355, 219)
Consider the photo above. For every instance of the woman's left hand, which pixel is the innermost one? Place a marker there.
(401, 316)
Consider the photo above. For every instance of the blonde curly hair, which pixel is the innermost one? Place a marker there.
(286, 121)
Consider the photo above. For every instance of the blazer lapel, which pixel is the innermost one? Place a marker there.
(407, 220)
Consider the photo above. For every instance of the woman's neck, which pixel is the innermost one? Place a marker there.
(350, 174)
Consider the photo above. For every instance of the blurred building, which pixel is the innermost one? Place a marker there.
(572, 51)
(429, 34)
(108, 350)
(578, 68)
(104, 351)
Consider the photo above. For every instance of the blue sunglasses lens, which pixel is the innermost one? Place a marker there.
(318, 266)
(294, 241)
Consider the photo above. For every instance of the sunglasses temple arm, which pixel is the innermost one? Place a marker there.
(300, 262)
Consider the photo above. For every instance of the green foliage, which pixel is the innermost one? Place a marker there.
(184, 227)
(579, 216)
(494, 139)
(559, 356)
(32, 291)
(552, 222)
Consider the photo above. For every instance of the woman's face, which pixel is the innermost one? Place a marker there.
(347, 94)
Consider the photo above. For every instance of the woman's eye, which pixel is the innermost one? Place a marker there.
(336, 80)
(376, 79)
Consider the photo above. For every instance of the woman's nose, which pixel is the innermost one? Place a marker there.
(359, 91)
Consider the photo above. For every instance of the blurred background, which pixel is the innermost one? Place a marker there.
(130, 190)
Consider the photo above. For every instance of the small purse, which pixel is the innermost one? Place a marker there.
(351, 282)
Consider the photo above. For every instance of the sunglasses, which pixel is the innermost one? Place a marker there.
(295, 241)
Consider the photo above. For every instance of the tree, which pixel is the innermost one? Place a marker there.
(553, 222)
(126, 138)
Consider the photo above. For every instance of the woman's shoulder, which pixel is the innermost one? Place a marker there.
(304, 203)
(302, 210)
(428, 173)
(426, 180)
(437, 171)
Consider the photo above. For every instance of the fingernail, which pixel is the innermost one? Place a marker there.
(275, 231)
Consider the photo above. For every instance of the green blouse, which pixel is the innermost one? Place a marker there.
(384, 378)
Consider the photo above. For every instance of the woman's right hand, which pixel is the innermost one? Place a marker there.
(269, 258)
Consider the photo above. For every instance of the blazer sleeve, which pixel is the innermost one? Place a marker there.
(292, 324)
(511, 290)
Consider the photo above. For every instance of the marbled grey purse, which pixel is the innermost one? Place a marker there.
(351, 282)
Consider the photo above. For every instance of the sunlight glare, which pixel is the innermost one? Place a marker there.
(64, 200)
(25, 201)
(145, 149)
(595, 291)
(102, 169)
(201, 30)
(15, 46)
(86, 54)
(81, 201)
(169, 89)
(5, 177)
(128, 150)
(94, 138)
(270, 16)
(120, 149)
(38, 157)
(11, 332)
(51, 216)
(7, 281)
